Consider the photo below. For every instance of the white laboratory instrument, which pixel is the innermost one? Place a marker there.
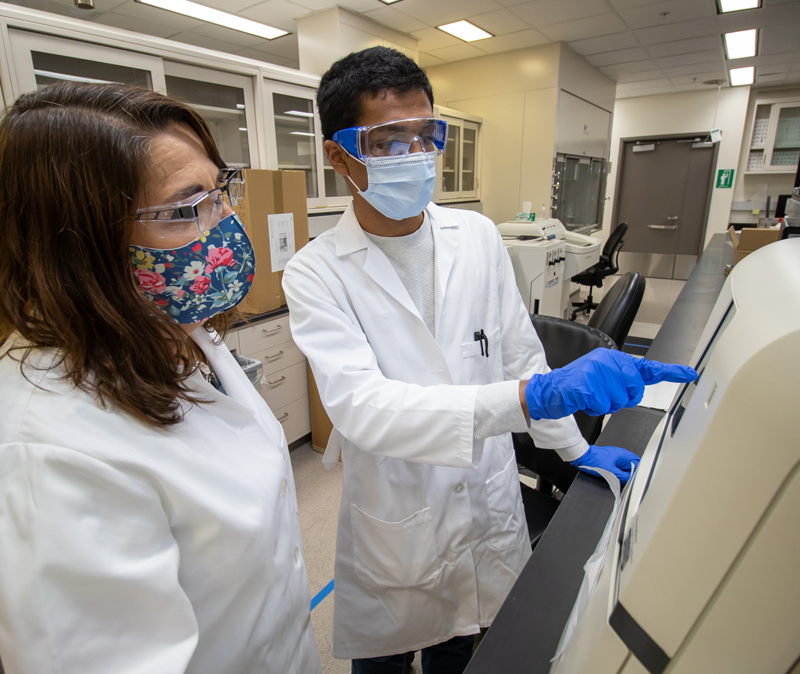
(701, 574)
(581, 251)
(539, 270)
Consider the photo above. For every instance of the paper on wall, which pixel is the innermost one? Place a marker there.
(659, 396)
(281, 239)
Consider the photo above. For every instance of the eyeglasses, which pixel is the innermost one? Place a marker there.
(197, 214)
(395, 138)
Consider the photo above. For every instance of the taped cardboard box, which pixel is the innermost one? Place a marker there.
(750, 239)
(271, 193)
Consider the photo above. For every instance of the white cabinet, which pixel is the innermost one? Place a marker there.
(775, 138)
(458, 169)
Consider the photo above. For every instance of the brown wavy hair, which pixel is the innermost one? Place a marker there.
(74, 166)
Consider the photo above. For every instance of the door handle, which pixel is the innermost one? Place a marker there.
(662, 227)
(672, 217)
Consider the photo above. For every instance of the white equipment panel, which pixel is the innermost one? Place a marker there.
(539, 270)
(701, 571)
(581, 252)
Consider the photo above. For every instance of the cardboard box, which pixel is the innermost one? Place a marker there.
(268, 193)
(750, 239)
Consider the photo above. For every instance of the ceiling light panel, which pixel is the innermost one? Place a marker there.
(742, 76)
(464, 30)
(737, 5)
(389, 2)
(215, 16)
(741, 44)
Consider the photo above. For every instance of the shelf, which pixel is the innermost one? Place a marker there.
(771, 173)
(295, 167)
(228, 112)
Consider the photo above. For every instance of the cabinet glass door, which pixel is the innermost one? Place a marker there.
(225, 101)
(40, 60)
(296, 138)
(468, 163)
(451, 161)
(786, 149)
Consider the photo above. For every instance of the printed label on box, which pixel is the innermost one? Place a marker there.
(281, 239)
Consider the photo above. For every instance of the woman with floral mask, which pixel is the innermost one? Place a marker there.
(148, 516)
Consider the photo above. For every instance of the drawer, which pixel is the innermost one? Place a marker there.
(264, 336)
(279, 357)
(285, 386)
(295, 419)
(232, 341)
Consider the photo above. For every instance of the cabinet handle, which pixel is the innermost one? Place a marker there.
(277, 381)
(277, 355)
(662, 227)
(267, 333)
(283, 417)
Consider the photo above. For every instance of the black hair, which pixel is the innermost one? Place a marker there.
(367, 72)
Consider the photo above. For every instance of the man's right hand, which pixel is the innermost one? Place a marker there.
(601, 382)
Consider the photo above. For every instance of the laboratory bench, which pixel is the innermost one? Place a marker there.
(526, 631)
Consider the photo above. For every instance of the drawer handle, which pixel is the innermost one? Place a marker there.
(283, 417)
(277, 355)
(662, 227)
(267, 333)
(277, 381)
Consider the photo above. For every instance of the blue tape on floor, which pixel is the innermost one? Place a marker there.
(324, 592)
(640, 346)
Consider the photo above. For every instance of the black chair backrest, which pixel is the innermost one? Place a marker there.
(617, 310)
(612, 248)
(563, 342)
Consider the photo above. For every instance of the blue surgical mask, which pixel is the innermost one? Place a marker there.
(205, 277)
(400, 187)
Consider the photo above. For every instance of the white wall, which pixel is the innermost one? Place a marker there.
(688, 112)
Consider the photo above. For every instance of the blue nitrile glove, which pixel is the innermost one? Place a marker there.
(613, 459)
(601, 382)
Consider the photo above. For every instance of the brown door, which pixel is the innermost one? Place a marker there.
(664, 195)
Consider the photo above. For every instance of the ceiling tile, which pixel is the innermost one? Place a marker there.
(458, 53)
(512, 3)
(268, 58)
(189, 37)
(778, 46)
(433, 38)
(621, 56)
(699, 78)
(520, 40)
(285, 47)
(697, 86)
(59, 7)
(676, 31)
(651, 92)
(353, 5)
(278, 13)
(229, 35)
(772, 70)
(428, 60)
(388, 16)
(233, 6)
(779, 33)
(759, 18)
(133, 24)
(691, 69)
(546, 12)
(627, 4)
(580, 29)
(639, 76)
(688, 59)
(598, 45)
(162, 17)
(684, 46)
(663, 13)
(635, 67)
(438, 12)
(499, 22)
(647, 84)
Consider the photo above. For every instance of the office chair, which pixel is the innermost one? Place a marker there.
(606, 266)
(563, 342)
(617, 310)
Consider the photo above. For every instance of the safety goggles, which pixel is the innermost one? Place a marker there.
(395, 138)
(197, 214)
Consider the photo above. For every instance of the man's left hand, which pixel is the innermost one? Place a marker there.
(613, 459)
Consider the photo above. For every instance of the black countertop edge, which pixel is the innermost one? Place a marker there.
(251, 319)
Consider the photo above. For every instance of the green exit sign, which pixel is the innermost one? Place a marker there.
(725, 178)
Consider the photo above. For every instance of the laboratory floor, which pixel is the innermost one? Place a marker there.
(319, 491)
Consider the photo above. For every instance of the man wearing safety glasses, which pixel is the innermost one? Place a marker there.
(426, 360)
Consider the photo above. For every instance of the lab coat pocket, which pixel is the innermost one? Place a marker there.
(479, 358)
(394, 554)
(505, 508)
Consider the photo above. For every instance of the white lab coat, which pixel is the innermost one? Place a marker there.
(130, 549)
(432, 531)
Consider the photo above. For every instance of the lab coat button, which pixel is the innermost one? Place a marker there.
(459, 488)
(296, 555)
(283, 486)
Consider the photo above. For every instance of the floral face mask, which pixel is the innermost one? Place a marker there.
(201, 279)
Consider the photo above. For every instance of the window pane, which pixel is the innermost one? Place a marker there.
(223, 108)
(295, 136)
(468, 160)
(786, 151)
(50, 68)
(335, 185)
(451, 160)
